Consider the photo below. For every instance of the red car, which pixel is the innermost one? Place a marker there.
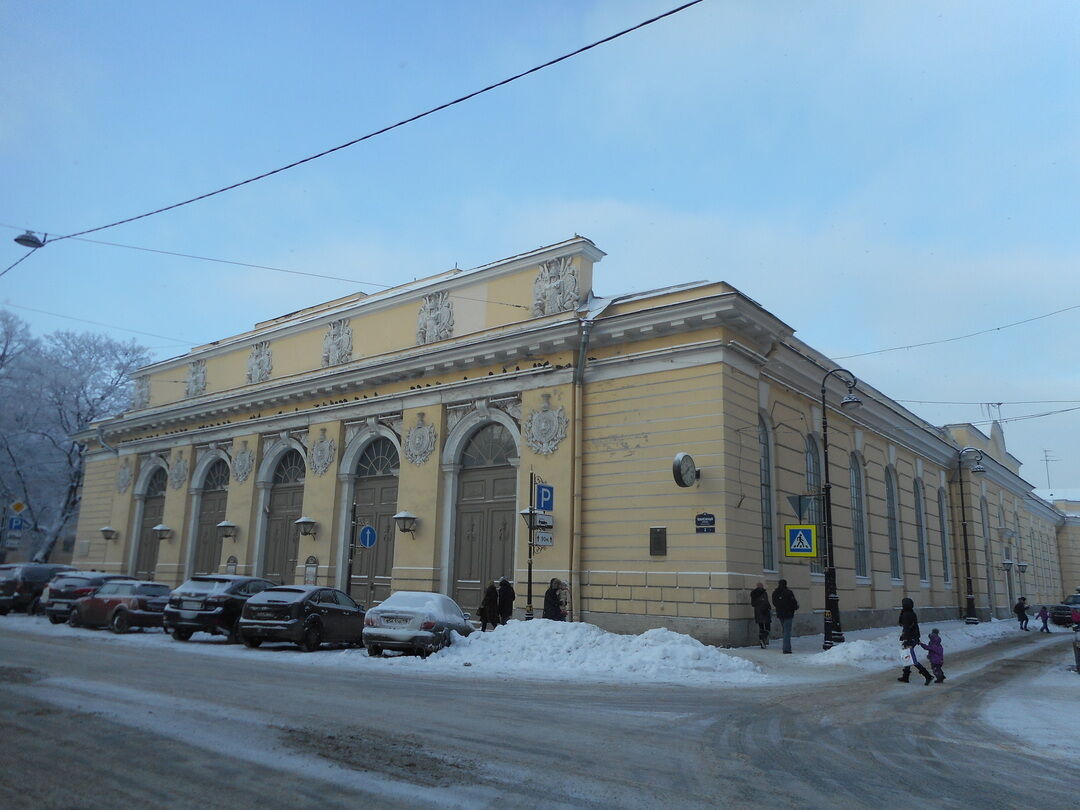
(121, 604)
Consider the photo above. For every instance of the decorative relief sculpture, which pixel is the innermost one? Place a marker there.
(140, 392)
(196, 377)
(455, 414)
(512, 407)
(178, 472)
(435, 321)
(545, 428)
(243, 464)
(260, 362)
(337, 343)
(322, 453)
(124, 476)
(556, 287)
(420, 441)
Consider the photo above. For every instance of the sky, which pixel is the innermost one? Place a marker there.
(875, 174)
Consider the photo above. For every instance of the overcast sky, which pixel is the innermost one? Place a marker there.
(876, 174)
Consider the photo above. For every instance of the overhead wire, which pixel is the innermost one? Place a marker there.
(388, 128)
(95, 323)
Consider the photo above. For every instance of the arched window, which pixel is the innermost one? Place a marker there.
(943, 527)
(155, 487)
(491, 446)
(217, 477)
(892, 518)
(813, 487)
(379, 458)
(920, 530)
(768, 545)
(290, 470)
(858, 517)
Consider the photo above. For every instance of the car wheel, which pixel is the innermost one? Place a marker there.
(55, 619)
(252, 642)
(75, 618)
(423, 652)
(374, 650)
(180, 635)
(120, 623)
(312, 639)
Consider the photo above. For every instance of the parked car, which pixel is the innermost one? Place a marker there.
(414, 621)
(1068, 612)
(68, 586)
(121, 604)
(21, 585)
(307, 615)
(210, 603)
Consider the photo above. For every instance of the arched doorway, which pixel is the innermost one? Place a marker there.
(282, 535)
(486, 502)
(375, 502)
(211, 513)
(152, 514)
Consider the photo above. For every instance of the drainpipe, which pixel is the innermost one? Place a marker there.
(105, 444)
(579, 405)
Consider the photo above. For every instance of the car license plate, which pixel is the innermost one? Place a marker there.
(395, 620)
(190, 605)
(188, 614)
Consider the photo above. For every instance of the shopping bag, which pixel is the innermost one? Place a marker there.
(906, 658)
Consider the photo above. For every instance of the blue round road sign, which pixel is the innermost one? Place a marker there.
(368, 537)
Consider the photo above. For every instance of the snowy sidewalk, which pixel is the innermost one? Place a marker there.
(558, 651)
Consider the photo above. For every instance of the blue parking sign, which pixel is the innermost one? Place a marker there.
(545, 497)
(15, 524)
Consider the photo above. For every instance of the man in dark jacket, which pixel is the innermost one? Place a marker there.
(506, 600)
(551, 602)
(759, 600)
(1020, 609)
(910, 639)
(786, 604)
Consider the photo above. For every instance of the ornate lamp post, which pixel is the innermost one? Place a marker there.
(833, 632)
(977, 467)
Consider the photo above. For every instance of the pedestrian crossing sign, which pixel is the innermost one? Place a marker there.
(801, 541)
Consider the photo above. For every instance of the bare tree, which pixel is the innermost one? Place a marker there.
(53, 389)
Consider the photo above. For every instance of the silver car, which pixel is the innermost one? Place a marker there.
(414, 621)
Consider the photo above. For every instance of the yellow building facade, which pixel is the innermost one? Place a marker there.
(287, 451)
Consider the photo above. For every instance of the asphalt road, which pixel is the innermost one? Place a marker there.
(89, 725)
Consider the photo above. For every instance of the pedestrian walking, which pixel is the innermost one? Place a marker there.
(489, 608)
(1020, 609)
(936, 655)
(551, 601)
(786, 604)
(910, 639)
(759, 600)
(506, 600)
(564, 600)
(1043, 616)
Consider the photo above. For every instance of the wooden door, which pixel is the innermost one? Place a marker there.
(484, 531)
(147, 554)
(376, 504)
(282, 534)
(207, 534)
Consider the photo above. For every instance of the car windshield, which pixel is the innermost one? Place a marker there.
(1072, 600)
(282, 593)
(152, 590)
(434, 604)
(205, 585)
(71, 582)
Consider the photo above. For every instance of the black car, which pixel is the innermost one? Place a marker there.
(306, 615)
(66, 587)
(21, 585)
(210, 603)
(1068, 611)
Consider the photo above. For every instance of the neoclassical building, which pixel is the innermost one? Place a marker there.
(287, 451)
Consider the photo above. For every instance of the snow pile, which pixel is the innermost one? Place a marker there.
(884, 650)
(573, 650)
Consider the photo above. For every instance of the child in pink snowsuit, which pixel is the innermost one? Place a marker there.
(936, 655)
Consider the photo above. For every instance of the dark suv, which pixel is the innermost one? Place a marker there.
(21, 585)
(1068, 611)
(210, 603)
(68, 586)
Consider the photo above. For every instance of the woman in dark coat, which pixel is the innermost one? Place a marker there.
(759, 600)
(489, 608)
(910, 640)
(506, 600)
(551, 601)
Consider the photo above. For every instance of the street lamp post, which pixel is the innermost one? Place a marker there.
(834, 634)
(977, 467)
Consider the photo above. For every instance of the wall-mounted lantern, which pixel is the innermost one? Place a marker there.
(406, 522)
(162, 532)
(227, 530)
(1021, 567)
(1006, 565)
(109, 533)
(307, 526)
